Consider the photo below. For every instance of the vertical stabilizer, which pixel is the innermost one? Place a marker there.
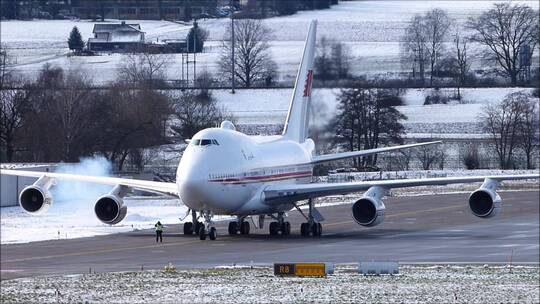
(296, 125)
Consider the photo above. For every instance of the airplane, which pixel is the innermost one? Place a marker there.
(226, 172)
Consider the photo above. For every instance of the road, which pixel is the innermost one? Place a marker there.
(430, 229)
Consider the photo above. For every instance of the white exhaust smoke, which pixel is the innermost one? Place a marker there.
(74, 196)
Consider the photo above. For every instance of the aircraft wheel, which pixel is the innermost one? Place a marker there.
(274, 228)
(286, 228)
(304, 229)
(316, 229)
(188, 228)
(213, 233)
(244, 228)
(233, 228)
(197, 226)
(202, 233)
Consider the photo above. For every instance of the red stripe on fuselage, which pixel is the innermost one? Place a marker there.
(262, 178)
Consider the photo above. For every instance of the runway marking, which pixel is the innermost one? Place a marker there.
(400, 214)
(98, 251)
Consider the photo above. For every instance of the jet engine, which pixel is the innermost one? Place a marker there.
(110, 208)
(37, 198)
(485, 202)
(369, 210)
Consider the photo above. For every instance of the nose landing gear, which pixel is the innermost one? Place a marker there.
(207, 229)
(194, 226)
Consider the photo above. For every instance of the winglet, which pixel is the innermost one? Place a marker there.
(296, 125)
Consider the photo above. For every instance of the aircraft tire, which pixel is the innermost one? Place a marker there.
(286, 228)
(188, 228)
(202, 233)
(304, 229)
(233, 228)
(212, 234)
(273, 228)
(244, 228)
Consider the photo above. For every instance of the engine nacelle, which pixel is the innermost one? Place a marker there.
(110, 209)
(35, 199)
(368, 212)
(485, 203)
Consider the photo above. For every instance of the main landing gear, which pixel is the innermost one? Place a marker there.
(281, 226)
(241, 225)
(312, 226)
(201, 229)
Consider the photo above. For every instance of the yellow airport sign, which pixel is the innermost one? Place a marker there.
(302, 269)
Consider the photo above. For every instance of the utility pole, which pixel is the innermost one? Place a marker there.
(194, 51)
(232, 46)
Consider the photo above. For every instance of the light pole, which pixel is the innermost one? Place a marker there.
(232, 46)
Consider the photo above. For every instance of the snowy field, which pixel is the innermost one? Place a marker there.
(269, 106)
(414, 284)
(372, 30)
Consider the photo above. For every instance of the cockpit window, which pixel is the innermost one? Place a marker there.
(204, 142)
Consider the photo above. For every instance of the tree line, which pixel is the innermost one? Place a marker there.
(435, 46)
(58, 116)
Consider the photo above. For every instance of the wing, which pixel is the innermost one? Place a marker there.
(149, 186)
(330, 157)
(290, 193)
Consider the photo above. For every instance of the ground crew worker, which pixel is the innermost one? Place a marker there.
(159, 232)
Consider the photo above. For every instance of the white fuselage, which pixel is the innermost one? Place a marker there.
(225, 171)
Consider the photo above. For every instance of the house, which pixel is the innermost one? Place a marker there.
(116, 37)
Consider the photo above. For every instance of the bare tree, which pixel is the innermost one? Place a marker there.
(471, 159)
(437, 24)
(414, 47)
(253, 61)
(195, 112)
(144, 69)
(69, 111)
(462, 62)
(13, 108)
(430, 155)
(505, 29)
(503, 122)
(332, 60)
(323, 61)
(529, 131)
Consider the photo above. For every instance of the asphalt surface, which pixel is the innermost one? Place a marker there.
(423, 229)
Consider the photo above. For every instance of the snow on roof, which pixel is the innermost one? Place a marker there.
(112, 27)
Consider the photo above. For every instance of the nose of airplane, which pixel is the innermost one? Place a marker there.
(191, 180)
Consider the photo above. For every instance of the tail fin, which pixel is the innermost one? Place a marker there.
(296, 126)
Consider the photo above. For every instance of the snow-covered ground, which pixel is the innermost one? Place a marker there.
(372, 30)
(76, 219)
(413, 284)
(269, 106)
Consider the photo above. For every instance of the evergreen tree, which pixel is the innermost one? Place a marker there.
(286, 7)
(75, 41)
(368, 118)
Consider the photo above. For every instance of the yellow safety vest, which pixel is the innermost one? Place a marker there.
(159, 227)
